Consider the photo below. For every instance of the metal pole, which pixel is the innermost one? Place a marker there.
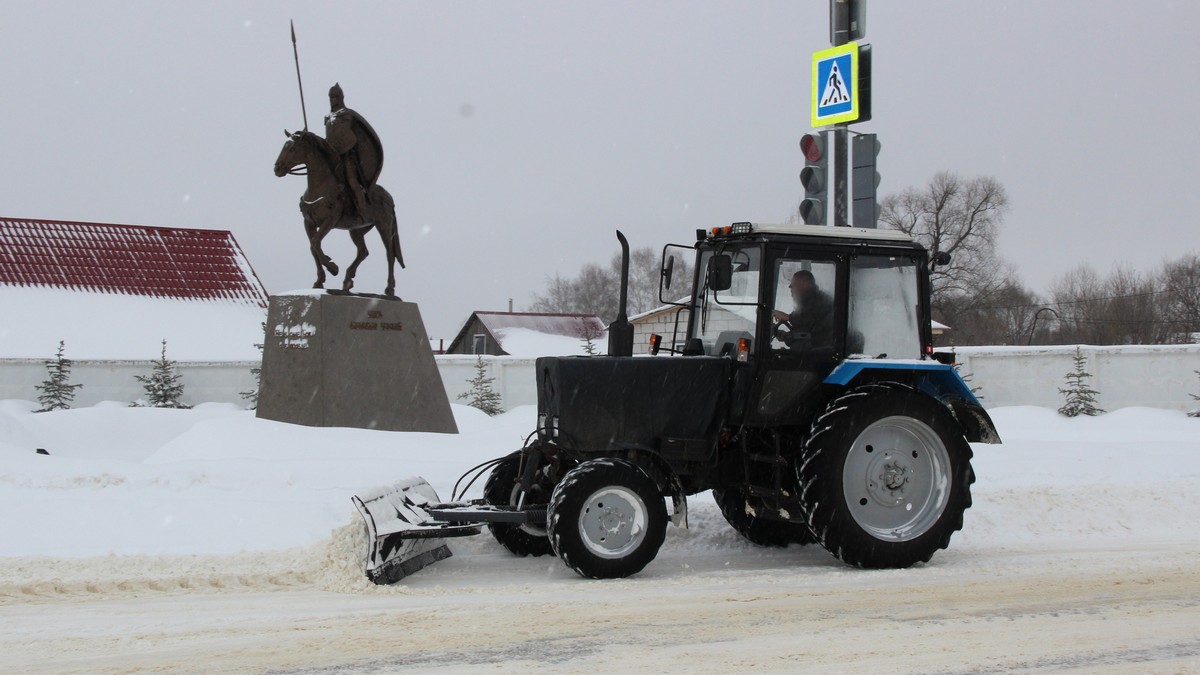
(841, 167)
(839, 34)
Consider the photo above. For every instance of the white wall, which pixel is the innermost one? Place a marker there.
(1151, 376)
(114, 380)
(223, 382)
(514, 377)
(1156, 376)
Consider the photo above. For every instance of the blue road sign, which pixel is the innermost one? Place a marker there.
(835, 85)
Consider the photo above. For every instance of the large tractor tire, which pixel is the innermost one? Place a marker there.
(607, 519)
(503, 489)
(740, 511)
(885, 477)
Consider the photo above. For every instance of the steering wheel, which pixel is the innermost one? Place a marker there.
(790, 337)
(782, 330)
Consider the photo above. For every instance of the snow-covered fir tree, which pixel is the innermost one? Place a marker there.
(1196, 412)
(481, 395)
(56, 392)
(1080, 397)
(164, 386)
(252, 395)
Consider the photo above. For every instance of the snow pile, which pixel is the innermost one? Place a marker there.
(108, 326)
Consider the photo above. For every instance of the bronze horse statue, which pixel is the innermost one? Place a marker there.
(326, 206)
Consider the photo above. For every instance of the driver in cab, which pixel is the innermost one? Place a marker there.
(810, 325)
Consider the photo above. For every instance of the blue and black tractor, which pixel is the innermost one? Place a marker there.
(799, 384)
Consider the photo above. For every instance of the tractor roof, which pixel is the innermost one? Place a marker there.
(745, 228)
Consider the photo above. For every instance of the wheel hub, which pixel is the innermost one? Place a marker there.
(890, 474)
(896, 478)
(613, 522)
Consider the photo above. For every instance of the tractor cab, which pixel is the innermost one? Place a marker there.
(789, 304)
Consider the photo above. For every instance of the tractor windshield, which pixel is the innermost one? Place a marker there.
(723, 317)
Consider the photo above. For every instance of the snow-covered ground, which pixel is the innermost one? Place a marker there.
(209, 540)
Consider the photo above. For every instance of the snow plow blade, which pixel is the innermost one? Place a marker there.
(401, 536)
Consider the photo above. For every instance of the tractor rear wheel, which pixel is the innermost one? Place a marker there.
(740, 511)
(885, 477)
(607, 519)
(503, 488)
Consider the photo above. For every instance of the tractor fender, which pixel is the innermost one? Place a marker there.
(661, 472)
(937, 380)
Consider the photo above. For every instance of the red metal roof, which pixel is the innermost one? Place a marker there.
(129, 259)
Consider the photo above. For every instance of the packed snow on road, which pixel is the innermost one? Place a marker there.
(152, 539)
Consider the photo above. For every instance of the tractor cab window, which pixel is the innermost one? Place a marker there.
(884, 308)
(726, 316)
(802, 316)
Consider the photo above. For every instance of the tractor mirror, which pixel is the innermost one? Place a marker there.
(941, 260)
(720, 272)
(668, 271)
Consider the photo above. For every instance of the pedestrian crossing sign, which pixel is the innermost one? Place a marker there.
(835, 85)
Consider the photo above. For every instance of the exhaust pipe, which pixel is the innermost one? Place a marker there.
(620, 331)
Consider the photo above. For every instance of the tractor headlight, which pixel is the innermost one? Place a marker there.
(547, 425)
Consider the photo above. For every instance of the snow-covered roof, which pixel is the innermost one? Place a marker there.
(117, 291)
(518, 333)
(659, 310)
(879, 234)
(127, 259)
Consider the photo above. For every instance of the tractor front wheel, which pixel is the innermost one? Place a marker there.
(503, 488)
(607, 519)
(885, 477)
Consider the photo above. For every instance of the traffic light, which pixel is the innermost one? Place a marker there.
(814, 177)
(864, 179)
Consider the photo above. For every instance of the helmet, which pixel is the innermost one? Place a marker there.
(335, 91)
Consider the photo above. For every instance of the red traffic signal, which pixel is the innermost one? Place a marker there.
(813, 147)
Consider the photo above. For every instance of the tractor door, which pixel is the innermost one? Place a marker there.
(803, 333)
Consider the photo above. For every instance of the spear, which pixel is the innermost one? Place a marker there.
(296, 53)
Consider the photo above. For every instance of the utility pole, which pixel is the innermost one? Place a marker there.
(839, 34)
(841, 95)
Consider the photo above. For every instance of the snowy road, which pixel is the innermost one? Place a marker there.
(1078, 554)
(976, 611)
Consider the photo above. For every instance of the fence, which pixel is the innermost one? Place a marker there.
(223, 382)
(1159, 376)
(1152, 376)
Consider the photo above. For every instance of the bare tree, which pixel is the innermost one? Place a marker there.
(1180, 306)
(1002, 317)
(961, 217)
(596, 289)
(1124, 307)
(593, 291)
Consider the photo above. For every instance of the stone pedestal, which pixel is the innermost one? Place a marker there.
(351, 361)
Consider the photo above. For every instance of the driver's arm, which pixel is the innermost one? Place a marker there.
(780, 316)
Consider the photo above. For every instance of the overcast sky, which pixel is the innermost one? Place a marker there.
(519, 135)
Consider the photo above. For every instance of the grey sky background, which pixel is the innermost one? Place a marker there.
(519, 135)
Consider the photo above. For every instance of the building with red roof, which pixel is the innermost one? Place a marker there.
(116, 291)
